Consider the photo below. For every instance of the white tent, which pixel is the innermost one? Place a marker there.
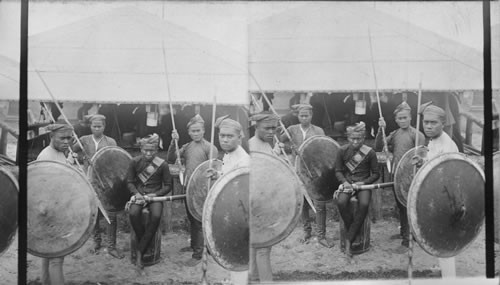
(118, 57)
(324, 47)
(9, 79)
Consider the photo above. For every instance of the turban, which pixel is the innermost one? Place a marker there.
(429, 109)
(54, 128)
(96, 117)
(402, 107)
(196, 120)
(358, 128)
(265, 116)
(153, 139)
(300, 107)
(226, 122)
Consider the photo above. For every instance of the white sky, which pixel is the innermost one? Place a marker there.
(226, 22)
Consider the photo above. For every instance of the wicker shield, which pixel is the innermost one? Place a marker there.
(496, 195)
(446, 204)
(225, 220)
(62, 209)
(8, 208)
(403, 175)
(317, 169)
(197, 188)
(275, 199)
(110, 165)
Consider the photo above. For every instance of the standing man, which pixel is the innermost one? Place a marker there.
(230, 137)
(263, 141)
(91, 144)
(148, 175)
(57, 150)
(399, 142)
(356, 164)
(193, 153)
(439, 143)
(299, 134)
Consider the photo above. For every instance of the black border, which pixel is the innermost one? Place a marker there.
(487, 135)
(488, 144)
(23, 147)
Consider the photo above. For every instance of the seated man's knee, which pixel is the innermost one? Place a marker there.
(135, 210)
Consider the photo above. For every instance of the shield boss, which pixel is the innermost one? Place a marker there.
(275, 199)
(62, 209)
(446, 204)
(197, 188)
(319, 154)
(9, 193)
(225, 220)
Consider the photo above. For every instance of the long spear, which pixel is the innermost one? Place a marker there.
(384, 139)
(177, 152)
(304, 192)
(410, 246)
(99, 205)
(204, 264)
(256, 103)
(294, 147)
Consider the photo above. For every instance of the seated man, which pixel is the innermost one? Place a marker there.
(356, 164)
(148, 175)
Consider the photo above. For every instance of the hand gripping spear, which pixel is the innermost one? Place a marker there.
(177, 152)
(304, 192)
(99, 205)
(384, 139)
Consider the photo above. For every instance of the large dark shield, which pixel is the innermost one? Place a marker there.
(225, 220)
(403, 175)
(110, 165)
(319, 154)
(197, 188)
(446, 204)
(276, 199)
(62, 209)
(8, 208)
(496, 194)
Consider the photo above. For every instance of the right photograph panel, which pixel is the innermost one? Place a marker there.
(367, 140)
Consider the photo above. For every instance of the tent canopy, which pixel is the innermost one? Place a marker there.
(324, 47)
(120, 56)
(9, 79)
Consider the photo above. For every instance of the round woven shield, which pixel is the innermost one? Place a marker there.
(496, 195)
(403, 175)
(9, 193)
(225, 220)
(446, 204)
(275, 199)
(62, 209)
(319, 154)
(197, 188)
(110, 165)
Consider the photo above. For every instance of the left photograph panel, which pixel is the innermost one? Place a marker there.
(10, 19)
(136, 110)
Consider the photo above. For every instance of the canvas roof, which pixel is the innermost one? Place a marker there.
(324, 46)
(495, 56)
(9, 79)
(118, 56)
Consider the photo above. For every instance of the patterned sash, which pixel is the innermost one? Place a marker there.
(150, 169)
(358, 157)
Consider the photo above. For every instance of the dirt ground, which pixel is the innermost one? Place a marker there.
(291, 260)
